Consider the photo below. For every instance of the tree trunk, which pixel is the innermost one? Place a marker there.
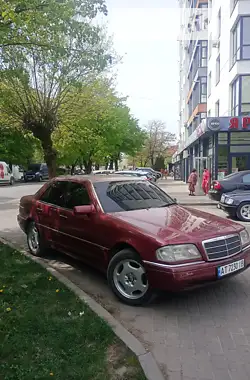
(97, 166)
(72, 169)
(50, 155)
(106, 166)
(116, 165)
(88, 166)
(111, 164)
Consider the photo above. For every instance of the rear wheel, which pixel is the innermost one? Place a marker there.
(243, 212)
(128, 279)
(34, 240)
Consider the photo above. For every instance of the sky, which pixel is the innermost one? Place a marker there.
(145, 34)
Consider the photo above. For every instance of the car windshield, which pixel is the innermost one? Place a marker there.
(129, 196)
(34, 167)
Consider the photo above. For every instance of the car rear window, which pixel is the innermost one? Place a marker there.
(129, 196)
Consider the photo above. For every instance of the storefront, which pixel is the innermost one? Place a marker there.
(220, 144)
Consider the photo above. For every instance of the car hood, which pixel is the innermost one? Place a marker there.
(178, 224)
(239, 194)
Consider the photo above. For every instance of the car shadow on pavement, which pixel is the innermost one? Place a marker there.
(214, 298)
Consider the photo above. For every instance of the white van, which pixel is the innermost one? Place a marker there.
(6, 176)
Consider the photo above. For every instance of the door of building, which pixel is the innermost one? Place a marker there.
(240, 162)
(200, 164)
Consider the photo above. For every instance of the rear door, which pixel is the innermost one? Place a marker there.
(47, 211)
(78, 234)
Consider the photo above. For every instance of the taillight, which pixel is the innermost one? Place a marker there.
(217, 185)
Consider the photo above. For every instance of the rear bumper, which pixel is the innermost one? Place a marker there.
(215, 196)
(22, 223)
(181, 277)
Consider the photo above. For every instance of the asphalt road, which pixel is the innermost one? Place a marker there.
(199, 335)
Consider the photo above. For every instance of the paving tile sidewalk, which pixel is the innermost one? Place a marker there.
(179, 190)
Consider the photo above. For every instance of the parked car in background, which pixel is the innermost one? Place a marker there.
(156, 174)
(6, 175)
(237, 204)
(134, 232)
(136, 173)
(36, 172)
(18, 173)
(232, 182)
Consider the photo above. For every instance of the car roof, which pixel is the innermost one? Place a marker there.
(96, 178)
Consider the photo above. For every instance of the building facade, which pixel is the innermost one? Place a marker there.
(214, 104)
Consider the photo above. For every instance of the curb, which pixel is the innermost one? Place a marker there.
(198, 204)
(145, 358)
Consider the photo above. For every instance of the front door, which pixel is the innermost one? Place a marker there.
(78, 233)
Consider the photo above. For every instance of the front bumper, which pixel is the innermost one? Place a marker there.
(181, 277)
(229, 209)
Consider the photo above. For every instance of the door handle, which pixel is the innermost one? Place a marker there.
(63, 216)
(39, 210)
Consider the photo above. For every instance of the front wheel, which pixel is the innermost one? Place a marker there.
(128, 279)
(243, 212)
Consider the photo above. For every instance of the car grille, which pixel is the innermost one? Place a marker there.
(223, 247)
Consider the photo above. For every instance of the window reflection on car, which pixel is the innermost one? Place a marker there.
(129, 196)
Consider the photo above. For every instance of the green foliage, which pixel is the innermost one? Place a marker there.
(100, 129)
(46, 49)
(17, 147)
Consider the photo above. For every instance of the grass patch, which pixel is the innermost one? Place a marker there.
(47, 332)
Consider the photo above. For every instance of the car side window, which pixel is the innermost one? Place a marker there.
(246, 178)
(77, 195)
(55, 194)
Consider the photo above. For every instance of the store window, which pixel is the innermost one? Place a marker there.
(222, 138)
(241, 96)
(218, 69)
(222, 161)
(241, 40)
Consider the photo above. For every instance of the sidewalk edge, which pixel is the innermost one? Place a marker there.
(145, 358)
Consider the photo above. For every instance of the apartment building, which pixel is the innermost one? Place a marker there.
(214, 104)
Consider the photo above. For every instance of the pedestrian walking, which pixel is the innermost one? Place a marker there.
(192, 182)
(205, 181)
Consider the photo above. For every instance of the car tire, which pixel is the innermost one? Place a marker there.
(242, 211)
(34, 242)
(129, 262)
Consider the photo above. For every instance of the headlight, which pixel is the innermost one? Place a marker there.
(175, 253)
(229, 201)
(244, 237)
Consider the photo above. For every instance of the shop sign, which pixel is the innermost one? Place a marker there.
(214, 125)
(234, 123)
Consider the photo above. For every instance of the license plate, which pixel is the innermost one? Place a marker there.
(230, 268)
(213, 191)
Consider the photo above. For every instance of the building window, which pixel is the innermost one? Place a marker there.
(204, 54)
(219, 23)
(217, 108)
(241, 96)
(203, 98)
(241, 40)
(209, 84)
(218, 69)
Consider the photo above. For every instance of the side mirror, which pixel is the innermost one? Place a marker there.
(84, 210)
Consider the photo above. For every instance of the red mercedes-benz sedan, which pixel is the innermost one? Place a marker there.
(135, 232)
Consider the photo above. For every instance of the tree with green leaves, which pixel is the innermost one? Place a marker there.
(102, 128)
(48, 50)
(156, 145)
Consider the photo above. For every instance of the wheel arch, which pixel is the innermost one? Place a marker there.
(119, 247)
